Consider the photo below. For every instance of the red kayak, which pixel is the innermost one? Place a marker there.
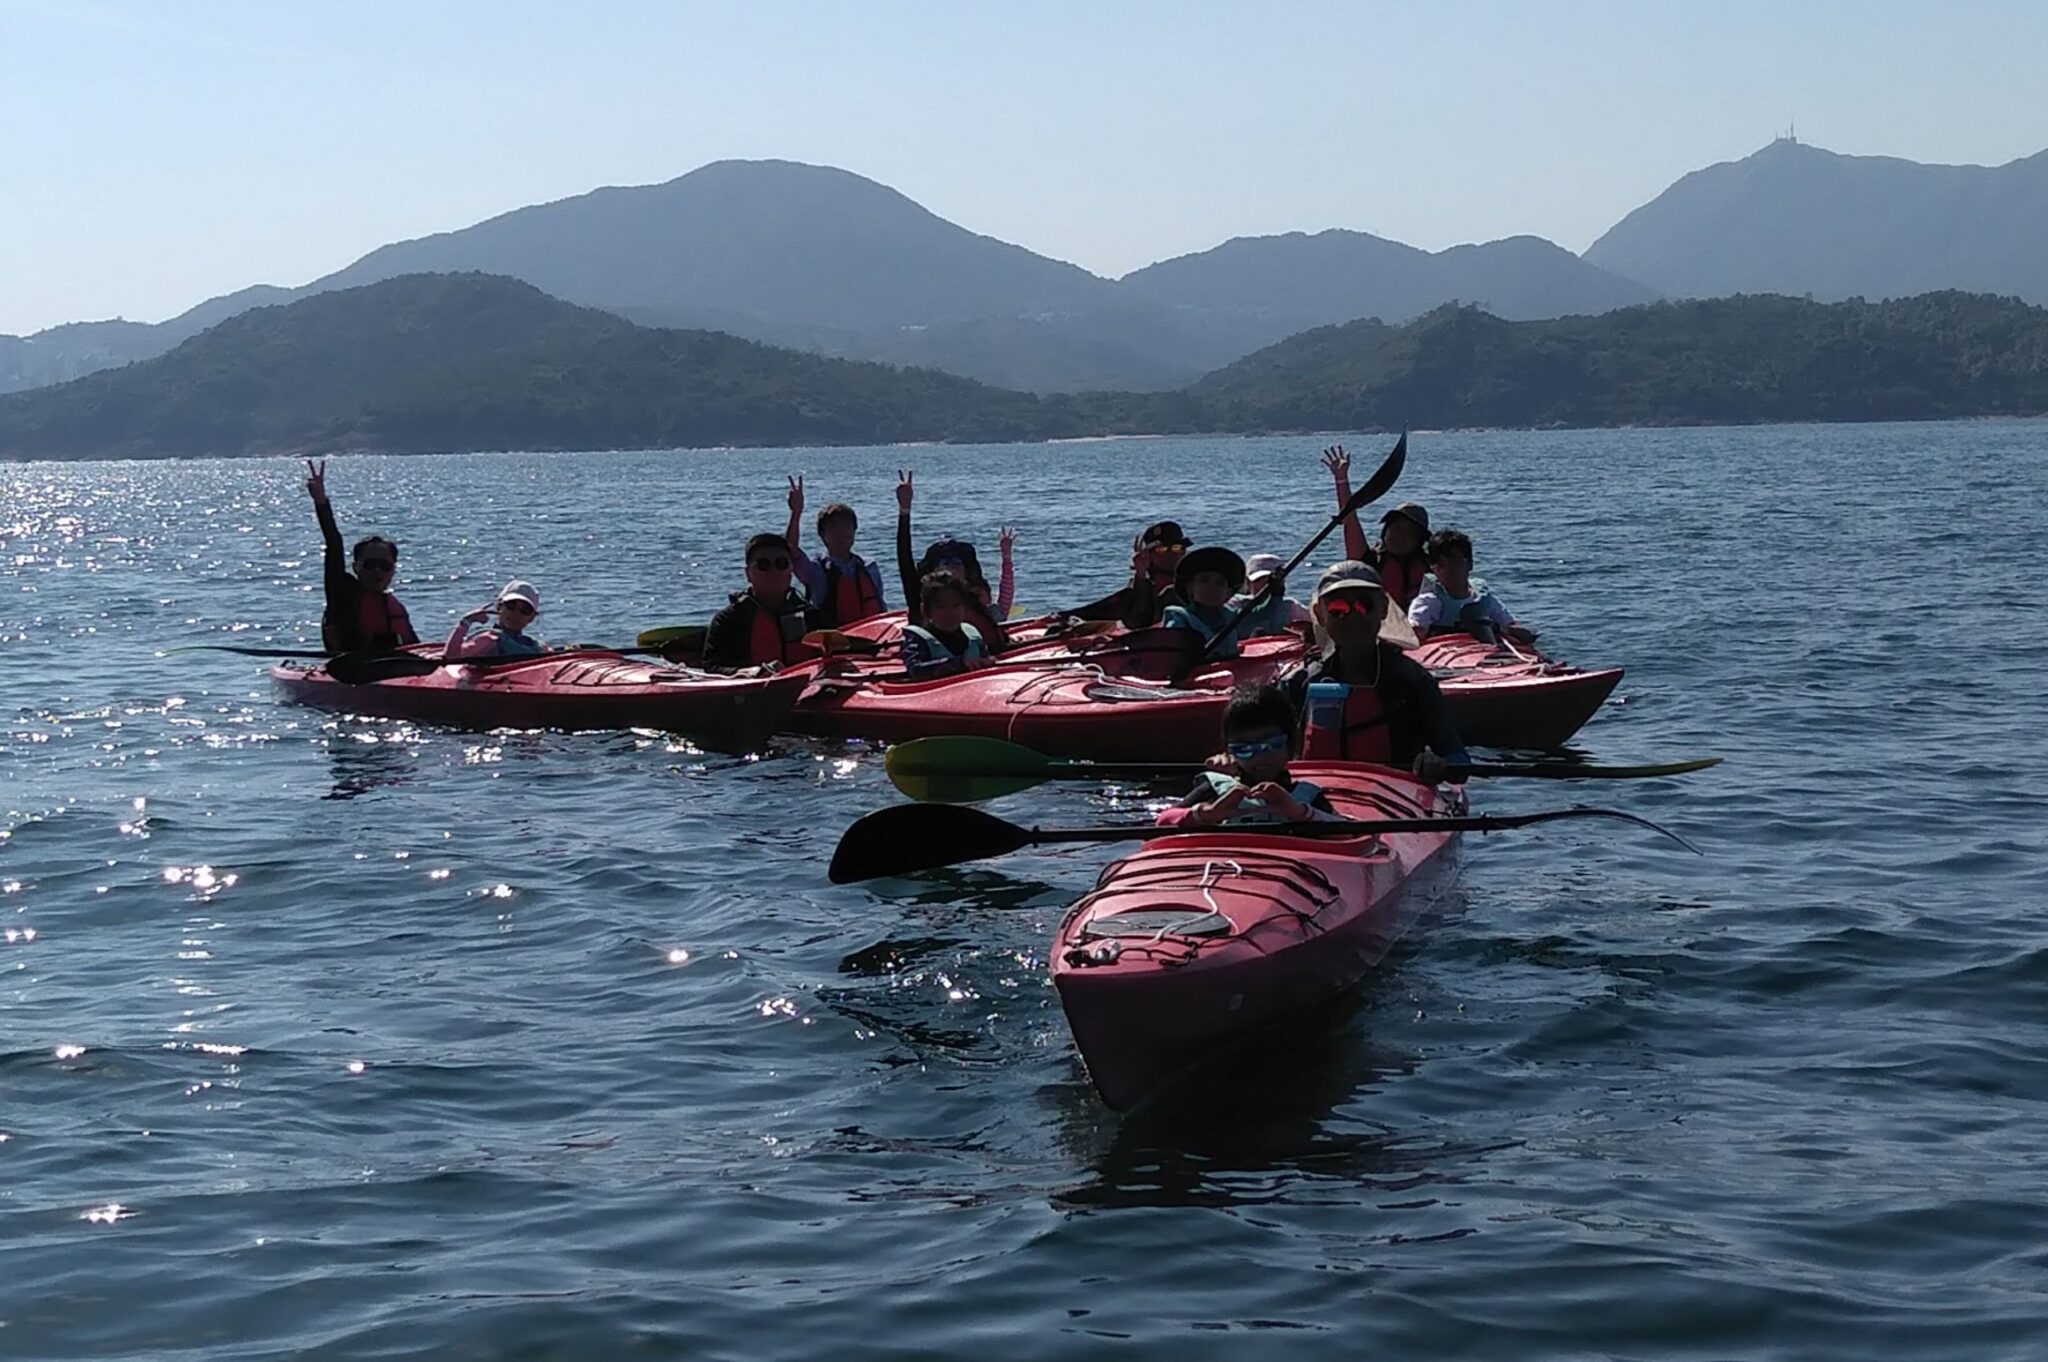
(1513, 697)
(1103, 699)
(1198, 942)
(583, 689)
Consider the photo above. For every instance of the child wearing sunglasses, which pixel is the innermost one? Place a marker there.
(1250, 783)
(764, 625)
(361, 615)
(517, 607)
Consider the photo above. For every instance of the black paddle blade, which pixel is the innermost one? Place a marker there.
(362, 669)
(1378, 484)
(907, 838)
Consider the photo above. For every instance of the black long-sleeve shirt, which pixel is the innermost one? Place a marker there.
(343, 628)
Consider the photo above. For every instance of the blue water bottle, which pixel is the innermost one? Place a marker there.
(1323, 725)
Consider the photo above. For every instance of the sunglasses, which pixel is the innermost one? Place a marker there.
(1352, 603)
(1258, 747)
(770, 565)
(1169, 550)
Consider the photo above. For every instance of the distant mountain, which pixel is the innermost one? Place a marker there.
(1274, 286)
(1798, 220)
(455, 362)
(76, 349)
(1720, 361)
(821, 259)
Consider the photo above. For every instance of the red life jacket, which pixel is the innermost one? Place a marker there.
(769, 640)
(1402, 577)
(853, 598)
(1363, 737)
(384, 621)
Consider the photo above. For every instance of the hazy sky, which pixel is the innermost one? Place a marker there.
(155, 154)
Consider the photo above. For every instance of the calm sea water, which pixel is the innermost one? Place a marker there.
(335, 1038)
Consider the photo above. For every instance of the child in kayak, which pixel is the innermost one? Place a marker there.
(1209, 582)
(361, 615)
(1258, 573)
(949, 554)
(764, 625)
(945, 643)
(517, 606)
(1155, 558)
(1361, 697)
(1260, 734)
(1452, 600)
(844, 587)
(1401, 559)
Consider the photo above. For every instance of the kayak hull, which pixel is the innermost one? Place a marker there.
(577, 691)
(1196, 944)
(1501, 699)
(1095, 704)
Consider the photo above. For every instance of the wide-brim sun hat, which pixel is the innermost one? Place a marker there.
(1211, 559)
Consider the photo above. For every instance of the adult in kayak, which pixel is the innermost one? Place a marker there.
(1361, 697)
(1155, 561)
(844, 587)
(1209, 583)
(361, 615)
(764, 625)
(1452, 600)
(945, 643)
(947, 554)
(1401, 557)
(517, 606)
(1261, 730)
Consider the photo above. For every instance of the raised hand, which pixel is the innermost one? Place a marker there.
(316, 480)
(1006, 539)
(1339, 464)
(796, 494)
(903, 492)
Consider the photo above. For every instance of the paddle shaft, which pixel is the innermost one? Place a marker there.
(1375, 487)
(1482, 822)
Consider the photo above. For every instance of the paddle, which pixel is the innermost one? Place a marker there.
(671, 633)
(1375, 487)
(912, 837)
(967, 770)
(833, 641)
(245, 652)
(361, 669)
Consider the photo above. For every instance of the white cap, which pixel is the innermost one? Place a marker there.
(1259, 564)
(521, 591)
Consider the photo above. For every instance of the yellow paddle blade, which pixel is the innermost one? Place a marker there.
(963, 770)
(667, 634)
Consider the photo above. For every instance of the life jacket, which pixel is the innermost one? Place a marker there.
(1358, 732)
(383, 620)
(1220, 785)
(510, 644)
(1198, 619)
(777, 637)
(934, 647)
(1402, 577)
(850, 598)
(1461, 614)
